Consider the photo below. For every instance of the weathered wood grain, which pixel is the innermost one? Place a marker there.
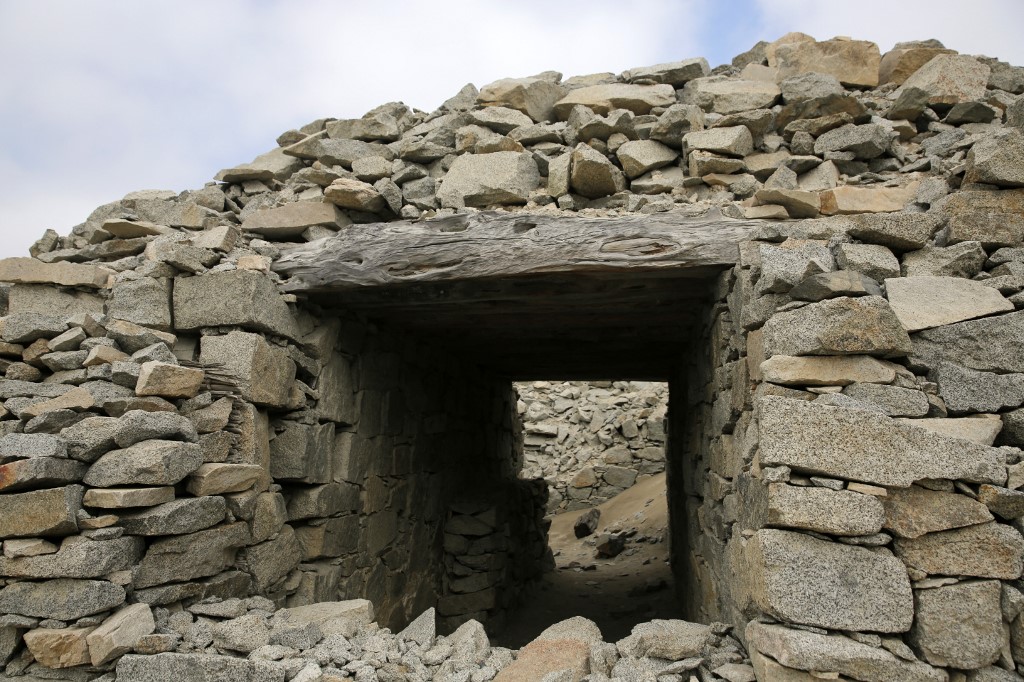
(488, 245)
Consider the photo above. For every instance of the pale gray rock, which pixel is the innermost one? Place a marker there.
(891, 400)
(675, 74)
(959, 626)
(816, 439)
(177, 517)
(16, 446)
(302, 452)
(992, 344)
(40, 472)
(810, 85)
(836, 512)
(639, 99)
(592, 175)
(839, 326)
(61, 599)
(25, 328)
(145, 301)
(187, 557)
(1005, 503)
(264, 372)
(915, 511)
(923, 302)
(501, 120)
(967, 391)
(535, 97)
(872, 260)
(268, 166)
(981, 429)
(152, 462)
(422, 630)
(640, 156)
(122, 498)
(677, 120)
(488, 179)
(196, 668)
(835, 284)
(827, 370)
(854, 588)
(335, 618)
(336, 151)
(998, 160)
(785, 266)
(239, 297)
(77, 557)
(119, 633)
(721, 95)
(987, 550)
(244, 634)
(731, 141)
(291, 220)
(868, 141)
(138, 425)
(355, 194)
(90, 438)
(948, 79)
(815, 651)
(41, 513)
(668, 639)
(269, 562)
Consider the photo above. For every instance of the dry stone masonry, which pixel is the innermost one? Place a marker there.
(241, 423)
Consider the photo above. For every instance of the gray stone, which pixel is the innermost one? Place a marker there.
(816, 439)
(40, 472)
(196, 668)
(422, 630)
(40, 298)
(898, 231)
(640, 156)
(854, 588)
(303, 453)
(949, 79)
(814, 651)
(998, 160)
(592, 175)
(669, 639)
(487, 179)
(132, 337)
(677, 120)
(291, 220)
(244, 634)
(119, 633)
(839, 326)
(915, 511)
(675, 74)
(336, 151)
(827, 370)
(992, 344)
(217, 478)
(994, 218)
(138, 425)
(31, 271)
(350, 193)
(731, 141)
(853, 62)
(923, 302)
(177, 517)
(16, 446)
(981, 429)
(337, 617)
(187, 557)
(868, 141)
(152, 462)
(785, 266)
(987, 550)
(873, 260)
(145, 301)
(239, 297)
(25, 328)
(264, 372)
(61, 599)
(123, 498)
(959, 626)
(721, 95)
(1005, 503)
(268, 166)
(78, 557)
(322, 501)
(269, 562)
(891, 400)
(90, 438)
(833, 285)
(836, 512)
(639, 99)
(967, 391)
(51, 512)
(535, 97)
(810, 85)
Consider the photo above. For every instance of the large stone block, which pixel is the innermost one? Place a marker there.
(264, 371)
(839, 326)
(59, 647)
(812, 651)
(967, 391)
(853, 62)
(914, 511)
(218, 478)
(488, 179)
(62, 599)
(151, 462)
(535, 97)
(994, 218)
(950, 78)
(926, 302)
(987, 550)
(836, 512)
(32, 271)
(853, 588)
(322, 501)
(336, 386)
(337, 617)
(41, 512)
(40, 298)
(177, 517)
(291, 220)
(145, 301)
(168, 380)
(826, 370)
(239, 297)
(303, 453)
(39, 472)
(991, 344)
(78, 557)
(859, 445)
(187, 557)
(602, 99)
(959, 626)
(336, 537)
(135, 426)
(196, 668)
(119, 633)
(270, 561)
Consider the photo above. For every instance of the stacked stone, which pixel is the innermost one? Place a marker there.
(592, 440)
(483, 579)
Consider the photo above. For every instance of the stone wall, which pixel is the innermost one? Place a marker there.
(591, 440)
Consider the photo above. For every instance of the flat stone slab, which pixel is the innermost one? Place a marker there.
(987, 550)
(811, 651)
(982, 430)
(959, 626)
(341, 617)
(32, 271)
(196, 668)
(62, 599)
(818, 439)
(926, 302)
(853, 588)
(836, 512)
(40, 512)
(914, 511)
(838, 326)
(78, 557)
(826, 370)
(991, 344)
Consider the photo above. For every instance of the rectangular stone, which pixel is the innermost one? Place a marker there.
(51, 512)
(836, 512)
(291, 220)
(264, 372)
(32, 271)
(858, 445)
(40, 298)
(187, 557)
(303, 453)
(987, 550)
(239, 297)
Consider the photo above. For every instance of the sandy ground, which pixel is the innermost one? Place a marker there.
(615, 593)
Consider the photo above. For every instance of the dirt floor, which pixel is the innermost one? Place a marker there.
(616, 593)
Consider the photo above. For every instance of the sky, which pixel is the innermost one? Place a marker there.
(99, 98)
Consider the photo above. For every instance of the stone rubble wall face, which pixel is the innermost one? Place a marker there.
(844, 472)
(591, 440)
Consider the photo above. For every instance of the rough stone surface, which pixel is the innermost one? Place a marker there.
(967, 391)
(118, 634)
(151, 462)
(812, 437)
(51, 512)
(950, 78)
(836, 512)
(59, 647)
(139, 425)
(488, 179)
(291, 220)
(602, 99)
(827, 370)
(959, 626)
(242, 297)
(998, 160)
(178, 517)
(987, 550)
(592, 175)
(195, 667)
(853, 62)
(187, 557)
(61, 599)
(264, 372)
(168, 380)
(992, 344)
(926, 302)
(914, 511)
(855, 588)
(840, 326)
